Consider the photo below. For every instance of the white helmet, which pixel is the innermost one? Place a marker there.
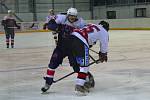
(72, 11)
(10, 11)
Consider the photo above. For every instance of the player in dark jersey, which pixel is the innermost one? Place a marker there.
(9, 24)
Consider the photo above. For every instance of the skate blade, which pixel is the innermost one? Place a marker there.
(45, 93)
(78, 93)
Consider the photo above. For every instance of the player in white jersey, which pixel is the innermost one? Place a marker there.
(50, 16)
(89, 35)
(68, 23)
(93, 33)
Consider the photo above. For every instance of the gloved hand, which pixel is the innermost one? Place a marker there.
(45, 26)
(103, 57)
(90, 46)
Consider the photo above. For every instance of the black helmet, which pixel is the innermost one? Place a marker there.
(104, 24)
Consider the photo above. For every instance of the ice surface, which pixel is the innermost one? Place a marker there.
(126, 75)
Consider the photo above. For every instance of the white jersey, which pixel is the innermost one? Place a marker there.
(62, 19)
(93, 33)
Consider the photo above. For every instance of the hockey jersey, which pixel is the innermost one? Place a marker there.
(93, 33)
(62, 19)
(9, 22)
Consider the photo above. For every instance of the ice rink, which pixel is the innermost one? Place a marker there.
(126, 75)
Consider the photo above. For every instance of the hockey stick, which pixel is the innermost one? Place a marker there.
(13, 27)
(63, 77)
(13, 13)
(94, 61)
(94, 51)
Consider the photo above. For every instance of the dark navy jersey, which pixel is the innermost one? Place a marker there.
(9, 22)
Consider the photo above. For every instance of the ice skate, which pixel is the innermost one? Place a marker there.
(81, 90)
(48, 83)
(7, 46)
(45, 88)
(90, 83)
(12, 46)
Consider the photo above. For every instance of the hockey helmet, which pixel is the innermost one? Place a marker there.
(72, 11)
(51, 11)
(10, 11)
(104, 24)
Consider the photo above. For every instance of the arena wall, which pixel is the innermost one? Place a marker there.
(115, 24)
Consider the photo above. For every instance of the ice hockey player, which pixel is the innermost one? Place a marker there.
(78, 45)
(9, 24)
(79, 52)
(50, 16)
(89, 35)
(70, 21)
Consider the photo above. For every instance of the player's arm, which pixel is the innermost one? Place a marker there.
(58, 26)
(15, 23)
(104, 39)
(53, 26)
(83, 23)
(3, 22)
(46, 23)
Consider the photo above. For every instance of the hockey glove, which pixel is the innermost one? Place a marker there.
(90, 46)
(18, 27)
(103, 57)
(45, 26)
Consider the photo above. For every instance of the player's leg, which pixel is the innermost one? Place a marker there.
(81, 53)
(12, 38)
(7, 37)
(55, 34)
(83, 72)
(80, 85)
(55, 60)
(73, 63)
(90, 82)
